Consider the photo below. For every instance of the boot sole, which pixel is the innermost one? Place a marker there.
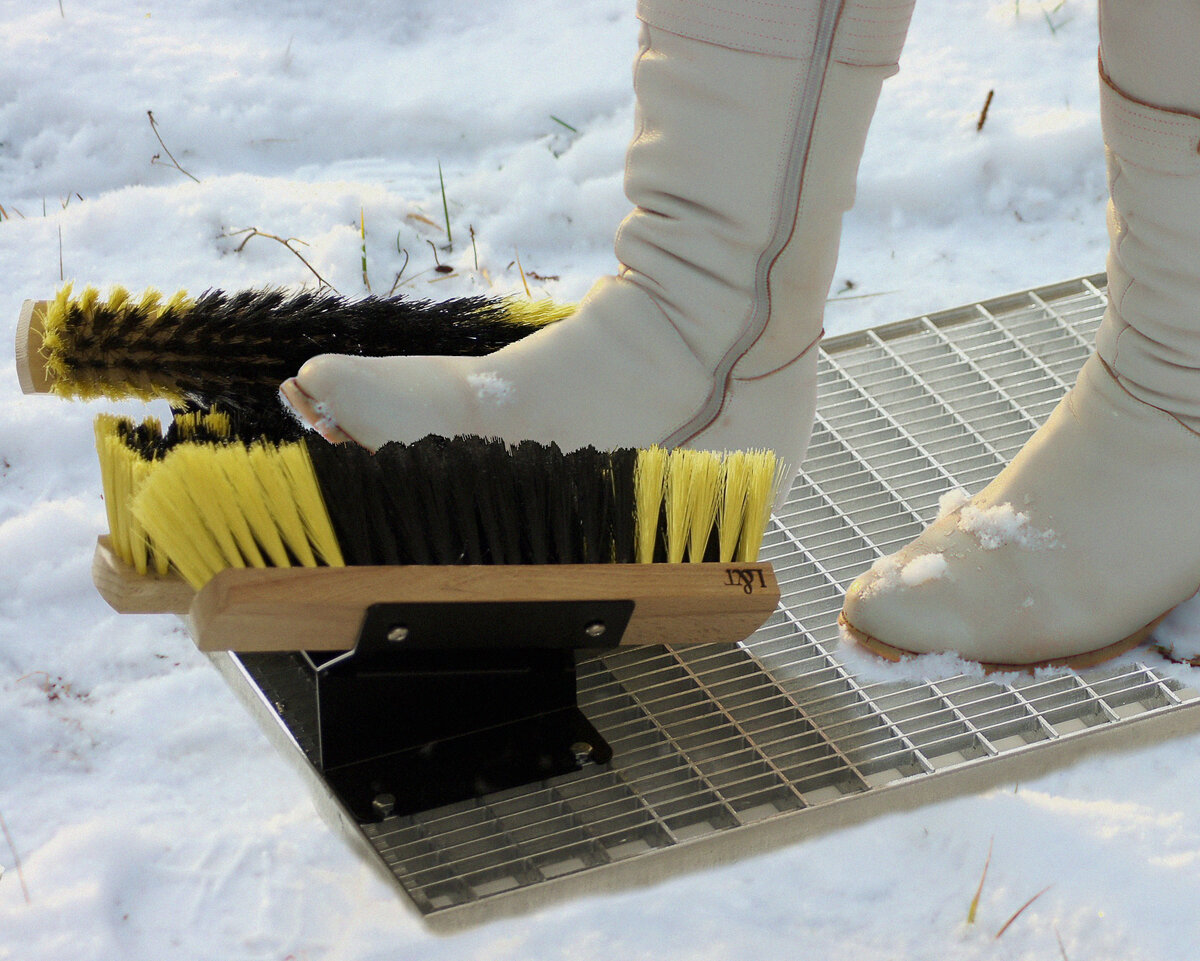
(1075, 661)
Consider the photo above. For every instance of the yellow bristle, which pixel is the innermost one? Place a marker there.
(150, 303)
(62, 340)
(306, 494)
(704, 493)
(210, 494)
(118, 299)
(180, 300)
(53, 336)
(251, 500)
(536, 313)
(649, 479)
(145, 552)
(217, 423)
(680, 464)
(764, 476)
(250, 524)
(164, 507)
(268, 469)
(122, 471)
(206, 507)
(214, 422)
(185, 424)
(731, 510)
(104, 427)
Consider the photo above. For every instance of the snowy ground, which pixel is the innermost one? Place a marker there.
(151, 819)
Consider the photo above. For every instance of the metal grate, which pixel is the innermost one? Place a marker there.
(720, 751)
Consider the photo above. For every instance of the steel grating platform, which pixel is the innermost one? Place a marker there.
(724, 751)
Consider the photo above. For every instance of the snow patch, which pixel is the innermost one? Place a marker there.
(890, 573)
(1179, 633)
(325, 421)
(491, 388)
(1003, 524)
(951, 501)
(886, 575)
(920, 570)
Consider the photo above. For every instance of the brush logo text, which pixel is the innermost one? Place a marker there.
(747, 578)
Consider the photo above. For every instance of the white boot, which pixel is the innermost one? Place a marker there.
(750, 125)
(1091, 535)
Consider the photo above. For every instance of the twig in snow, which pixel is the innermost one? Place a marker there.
(439, 266)
(255, 232)
(878, 293)
(979, 890)
(984, 112)
(156, 158)
(1020, 910)
(1061, 949)
(403, 266)
(16, 859)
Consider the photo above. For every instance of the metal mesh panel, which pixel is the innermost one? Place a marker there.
(711, 741)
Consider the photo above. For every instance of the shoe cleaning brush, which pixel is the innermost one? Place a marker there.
(232, 350)
(460, 518)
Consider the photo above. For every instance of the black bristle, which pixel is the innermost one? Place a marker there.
(380, 528)
(532, 482)
(461, 476)
(562, 512)
(470, 500)
(430, 479)
(234, 349)
(341, 473)
(403, 507)
(585, 467)
(621, 467)
(498, 505)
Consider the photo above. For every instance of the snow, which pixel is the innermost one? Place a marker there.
(491, 388)
(150, 817)
(920, 570)
(1002, 524)
(951, 501)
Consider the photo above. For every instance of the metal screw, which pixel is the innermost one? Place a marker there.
(384, 804)
(582, 751)
(398, 633)
(595, 629)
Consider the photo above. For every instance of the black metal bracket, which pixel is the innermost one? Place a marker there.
(445, 702)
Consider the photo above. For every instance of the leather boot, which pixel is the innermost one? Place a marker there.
(751, 119)
(1090, 536)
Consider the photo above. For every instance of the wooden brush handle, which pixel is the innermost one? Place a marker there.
(128, 592)
(322, 608)
(31, 329)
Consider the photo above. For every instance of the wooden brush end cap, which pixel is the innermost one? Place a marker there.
(31, 331)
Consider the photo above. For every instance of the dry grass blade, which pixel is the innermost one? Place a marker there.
(979, 890)
(987, 103)
(16, 859)
(445, 208)
(1020, 910)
